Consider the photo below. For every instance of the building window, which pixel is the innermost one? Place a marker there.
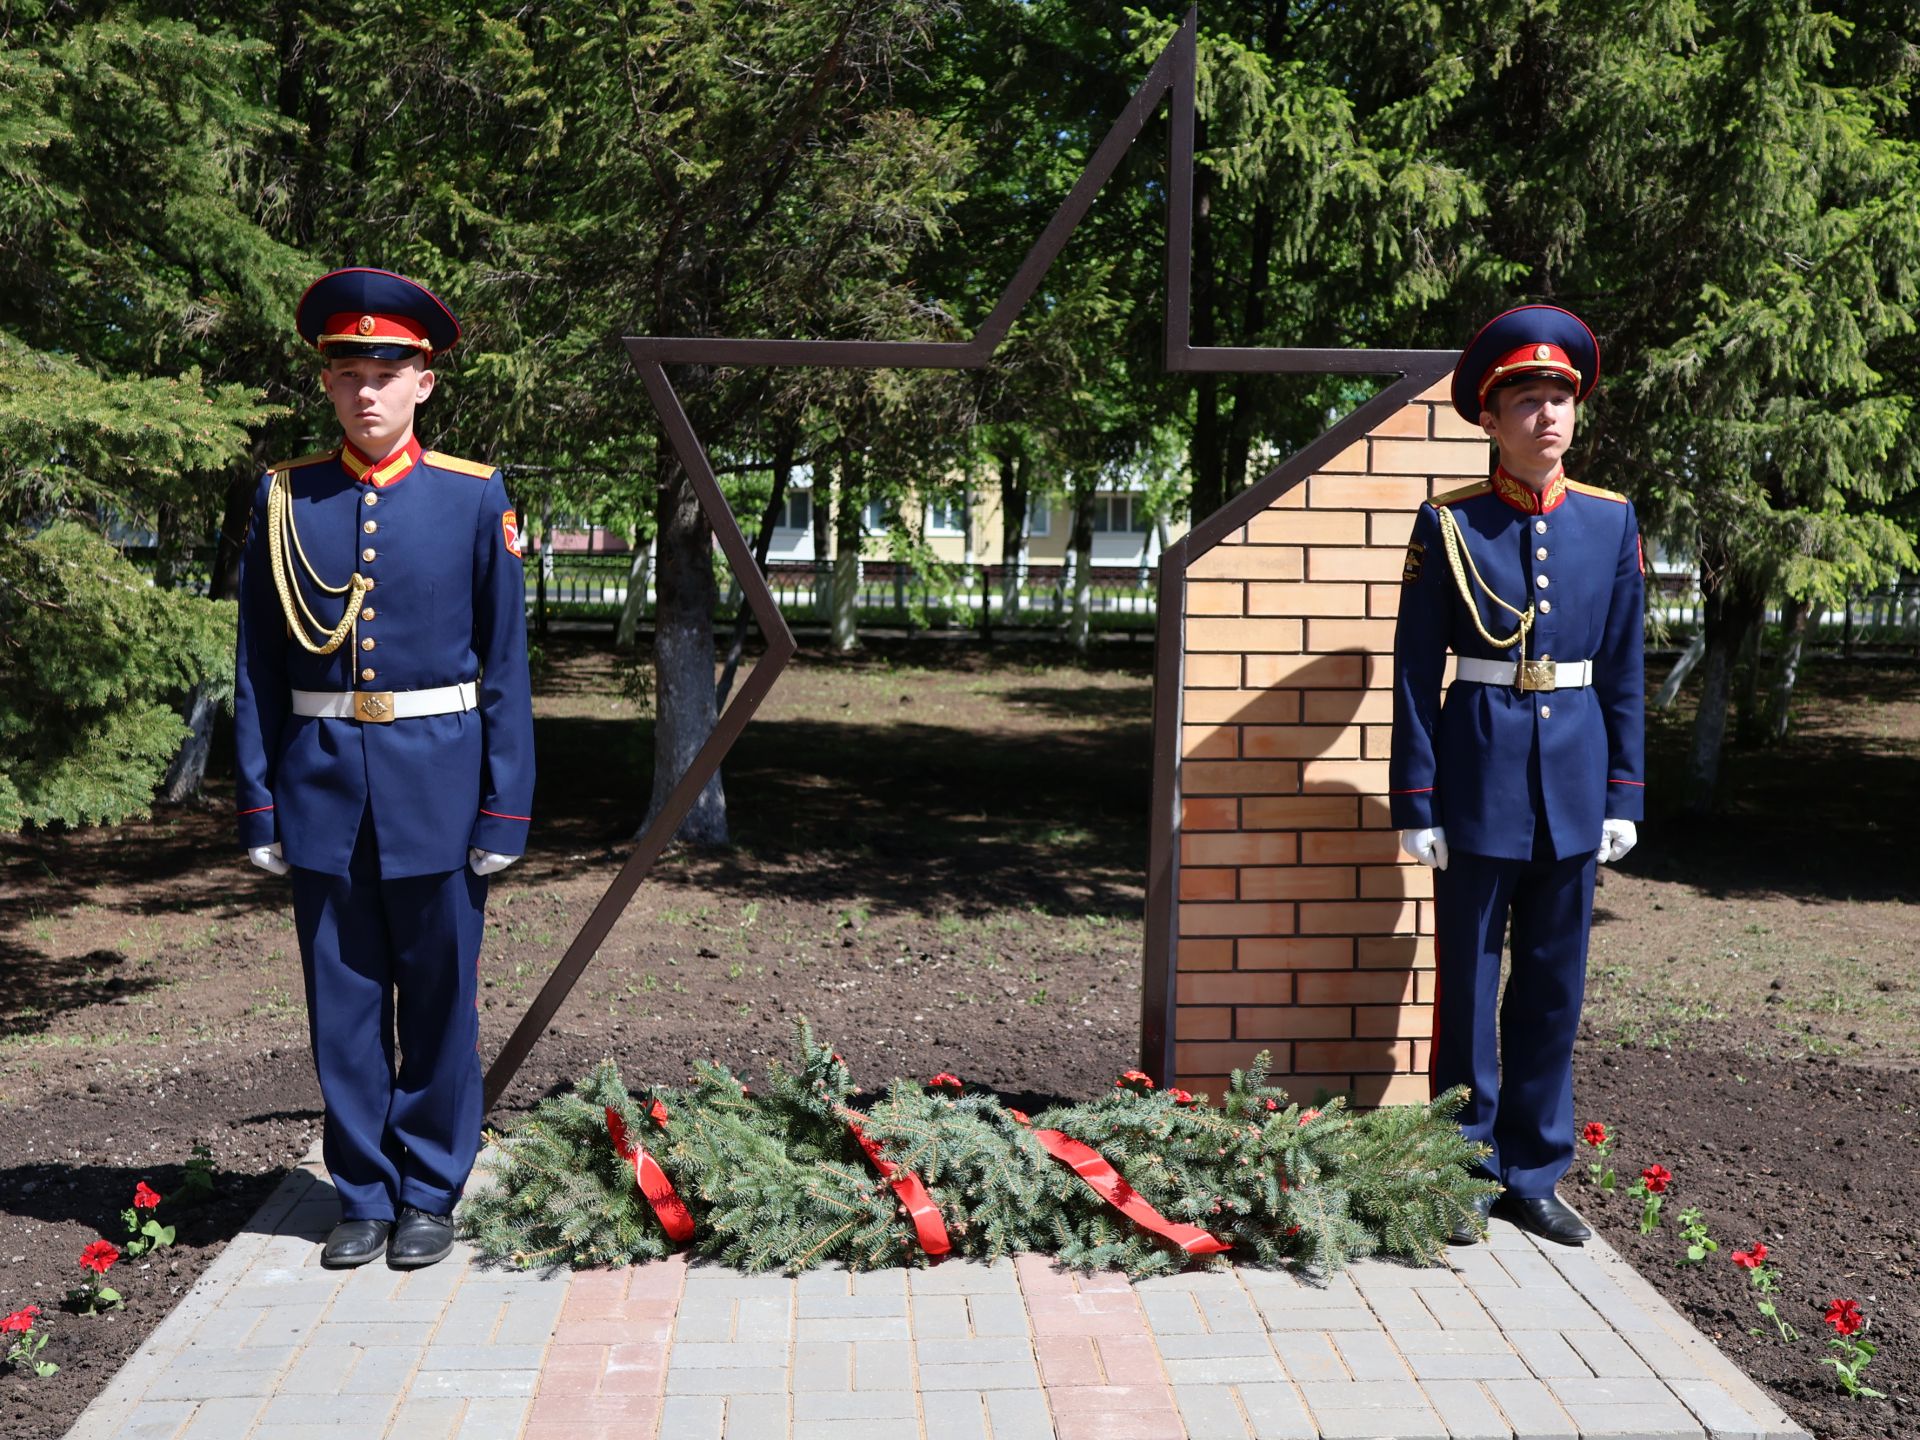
(876, 517)
(1040, 518)
(1119, 514)
(946, 517)
(796, 512)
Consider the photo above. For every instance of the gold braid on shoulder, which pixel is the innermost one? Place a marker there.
(283, 547)
(1460, 561)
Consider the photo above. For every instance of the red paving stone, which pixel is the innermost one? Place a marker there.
(1099, 1366)
(606, 1366)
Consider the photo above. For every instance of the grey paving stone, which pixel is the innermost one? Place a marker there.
(1479, 1268)
(354, 1309)
(1401, 1311)
(1517, 1310)
(991, 1375)
(1172, 1312)
(224, 1419)
(1210, 1412)
(155, 1420)
(1531, 1410)
(1308, 1355)
(992, 1315)
(1536, 1275)
(320, 1370)
(1453, 1342)
(965, 1277)
(936, 1317)
(1548, 1355)
(882, 1365)
(754, 1417)
(366, 1335)
(1275, 1413)
(1229, 1312)
(766, 1380)
(1463, 1407)
(862, 1405)
(436, 1283)
(764, 1317)
(474, 1383)
(1356, 1318)
(884, 1282)
(473, 1321)
(491, 1418)
(385, 1371)
(705, 1318)
(257, 1358)
(1621, 1312)
(1334, 1292)
(892, 1327)
(431, 1417)
(1609, 1407)
(372, 1282)
(483, 1357)
(1361, 1395)
(828, 1279)
(349, 1414)
(1371, 1275)
(1457, 1309)
(1225, 1370)
(1724, 1417)
(177, 1384)
(1469, 1367)
(1380, 1424)
(955, 1415)
(279, 1324)
(692, 1417)
(704, 1280)
(228, 1327)
(850, 1307)
(823, 1365)
(977, 1350)
(1369, 1355)
(1183, 1347)
(1667, 1358)
(260, 1297)
(1019, 1415)
(1504, 1235)
(729, 1355)
(1607, 1355)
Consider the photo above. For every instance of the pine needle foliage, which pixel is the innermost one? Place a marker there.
(776, 1179)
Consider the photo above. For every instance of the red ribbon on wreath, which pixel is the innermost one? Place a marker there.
(672, 1211)
(1106, 1182)
(928, 1227)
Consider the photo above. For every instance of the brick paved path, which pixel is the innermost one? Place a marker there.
(1516, 1338)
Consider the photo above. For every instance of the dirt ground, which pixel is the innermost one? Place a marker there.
(938, 858)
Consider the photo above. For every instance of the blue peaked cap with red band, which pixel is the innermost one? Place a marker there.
(1527, 341)
(374, 313)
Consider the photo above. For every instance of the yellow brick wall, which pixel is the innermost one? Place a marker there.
(1302, 929)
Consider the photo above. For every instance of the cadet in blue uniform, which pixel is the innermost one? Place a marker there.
(1530, 773)
(384, 730)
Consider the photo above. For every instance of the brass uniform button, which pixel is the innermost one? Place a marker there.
(367, 644)
(367, 613)
(1541, 553)
(370, 527)
(1539, 525)
(366, 674)
(1539, 580)
(1546, 712)
(372, 499)
(1546, 607)
(368, 554)
(367, 582)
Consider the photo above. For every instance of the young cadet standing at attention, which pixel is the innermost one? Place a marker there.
(1531, 773)
(384, 730)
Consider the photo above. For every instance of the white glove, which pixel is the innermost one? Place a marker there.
(485, 862)
(267, 857)
(1429, 847)
(1616, 838)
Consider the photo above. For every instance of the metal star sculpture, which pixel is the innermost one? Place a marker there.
(1173, 74)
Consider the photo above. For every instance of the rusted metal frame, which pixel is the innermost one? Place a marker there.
(706, 761)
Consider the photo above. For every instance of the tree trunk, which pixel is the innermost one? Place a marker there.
(1013, 530)
(683, 655)
(1209, 479)
(1747, 703)
(846, 557)
(1798, 619)
(762, 543)
(822, 494)
(1726, 618)
(638, 577)
(1253, 321)
(1080, 622)
(187, 771)
(1683, 667)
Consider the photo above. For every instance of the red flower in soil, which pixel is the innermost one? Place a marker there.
(1593, 1133)
(99, 1256)
(1658, 1177)
(21, 1320)
(1179, 1096)
(1844, 1316)
(944, 1079)
(145, 1198)
(1751, 1259)
(1309, 1115)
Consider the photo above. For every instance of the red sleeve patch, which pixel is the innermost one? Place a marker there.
(510, 527)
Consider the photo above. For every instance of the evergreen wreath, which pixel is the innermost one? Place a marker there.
(781, 1178)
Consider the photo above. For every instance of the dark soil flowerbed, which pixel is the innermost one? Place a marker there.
(938, 858)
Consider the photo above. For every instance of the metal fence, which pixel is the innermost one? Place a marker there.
(1890, 616)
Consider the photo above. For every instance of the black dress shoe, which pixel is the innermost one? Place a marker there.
(354, 1242)
(1470, 1227)
(419, 1239)
(1547, 1216)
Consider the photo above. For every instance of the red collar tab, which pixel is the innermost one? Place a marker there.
(362, 327)
(388, 471)
(1524, 498)
(1538, 358)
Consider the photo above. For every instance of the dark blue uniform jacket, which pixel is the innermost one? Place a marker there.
(1492, 765)
(448, 605)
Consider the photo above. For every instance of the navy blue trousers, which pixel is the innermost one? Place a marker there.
(393, 965)
(1519, 1062)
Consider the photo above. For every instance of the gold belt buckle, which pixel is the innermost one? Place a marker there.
(375, 707)
(1534, 675)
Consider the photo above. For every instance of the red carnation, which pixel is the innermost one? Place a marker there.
(21, 1320)
(657, 1112)
(1273, 1104)
(144, 1197)
(950, 1081)
(1137, 1080)
(1594, 1133)
(1751, 1259)
(99, 1256)
(1179, 1096)
(1845, 1317)
(1307, 1115)
(1658, 1177)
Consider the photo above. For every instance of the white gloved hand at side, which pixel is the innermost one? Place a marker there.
(485, 862)
(1617, 837)
(1429, 847)
(267, 857)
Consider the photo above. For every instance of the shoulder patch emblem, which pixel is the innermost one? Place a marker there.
(1416, 556)
(457, 465)
(1465, 492)
(314, 459)
(510, 528)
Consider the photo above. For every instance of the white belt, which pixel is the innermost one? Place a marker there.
(1538, 675)
(379, 707)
